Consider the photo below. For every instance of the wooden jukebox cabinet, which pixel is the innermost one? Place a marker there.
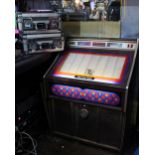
(88, 91)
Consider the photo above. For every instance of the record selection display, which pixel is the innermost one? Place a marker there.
(97, 67)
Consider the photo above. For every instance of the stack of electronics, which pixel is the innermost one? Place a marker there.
(40, 31)
(18, 44)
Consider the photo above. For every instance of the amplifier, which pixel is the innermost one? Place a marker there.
(38, 43)
(39, 22)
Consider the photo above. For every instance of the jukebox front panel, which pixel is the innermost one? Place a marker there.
(89, 85)
(96, 67)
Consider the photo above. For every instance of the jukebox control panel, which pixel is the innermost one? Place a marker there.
(102, 44)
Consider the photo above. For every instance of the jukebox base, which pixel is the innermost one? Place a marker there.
(87, 123)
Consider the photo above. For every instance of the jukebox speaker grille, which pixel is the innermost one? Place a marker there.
(97, 96)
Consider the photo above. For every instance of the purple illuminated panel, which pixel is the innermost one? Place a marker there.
(102, 97)
(67, 91)
(96, 96)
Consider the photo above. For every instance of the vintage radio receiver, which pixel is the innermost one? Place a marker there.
(37, 43)
(39, 22)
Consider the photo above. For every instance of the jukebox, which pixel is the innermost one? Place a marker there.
(88, 91)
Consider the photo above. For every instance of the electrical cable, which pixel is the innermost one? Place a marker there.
(34, 146)
(19, 141)
(20, 145)
(33, 151)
